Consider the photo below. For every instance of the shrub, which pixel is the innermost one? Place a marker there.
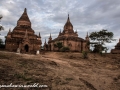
(84, 53)
(58, 45)
(69, 79)
(65, 49)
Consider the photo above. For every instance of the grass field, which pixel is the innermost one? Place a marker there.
(60, 71)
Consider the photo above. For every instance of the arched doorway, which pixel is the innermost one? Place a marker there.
(26, 48)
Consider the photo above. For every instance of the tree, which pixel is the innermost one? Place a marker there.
(58, 45)
(84, 54)
(2, 44)
(1, 27)
(100, 38)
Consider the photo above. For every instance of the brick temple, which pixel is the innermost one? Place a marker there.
(117, 48)
(69, 38)
(23, 37)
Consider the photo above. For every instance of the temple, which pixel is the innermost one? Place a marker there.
(117, 48)
(23, 37)
(69, 38)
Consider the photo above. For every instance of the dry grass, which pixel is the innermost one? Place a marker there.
(61, 71)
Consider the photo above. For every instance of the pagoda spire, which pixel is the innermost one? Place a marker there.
(68, 20)
(45, 42)
(76, 31)
(50, 38)
(68, 25)
(24, 19)
(60, 31)
(87, 34)
(87, 37)
(50, 35)
(24, 16)
(25, 10)
(39, 35)
(10, 30)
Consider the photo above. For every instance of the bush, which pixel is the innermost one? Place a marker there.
(65, 49)
(2, 46)
(84, 53)
(58, 45)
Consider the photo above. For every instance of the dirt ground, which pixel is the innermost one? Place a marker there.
(60, 71)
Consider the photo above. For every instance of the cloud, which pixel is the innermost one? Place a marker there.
(49, 16)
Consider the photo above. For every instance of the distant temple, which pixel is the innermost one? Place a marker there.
(22, 37)
(117, 48)
(69, 38)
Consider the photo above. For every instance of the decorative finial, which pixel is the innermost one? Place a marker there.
(87, 34)
(60, 30)
(25, 10)
(45, 40)
(39, 35)
(76, 30)
(68, 20)
(50, 38)
(87, 37)
(10, 30)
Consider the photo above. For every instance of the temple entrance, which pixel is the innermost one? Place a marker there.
(26, 48)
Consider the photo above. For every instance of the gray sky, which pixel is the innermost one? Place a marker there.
(49, 16)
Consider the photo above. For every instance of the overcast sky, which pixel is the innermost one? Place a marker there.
(49, 16)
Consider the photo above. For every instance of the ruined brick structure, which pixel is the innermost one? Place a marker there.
(117, 48)
(23, 37)
(69, 39)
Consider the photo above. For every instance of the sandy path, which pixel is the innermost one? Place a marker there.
(90, 74)
(95, 78)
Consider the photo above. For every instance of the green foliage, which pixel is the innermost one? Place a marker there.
(2, 44)
(98, 48)
(1, 27)
(64, 49)
(88, 43)
(84, 54)
(100, 38)
(58, 45)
